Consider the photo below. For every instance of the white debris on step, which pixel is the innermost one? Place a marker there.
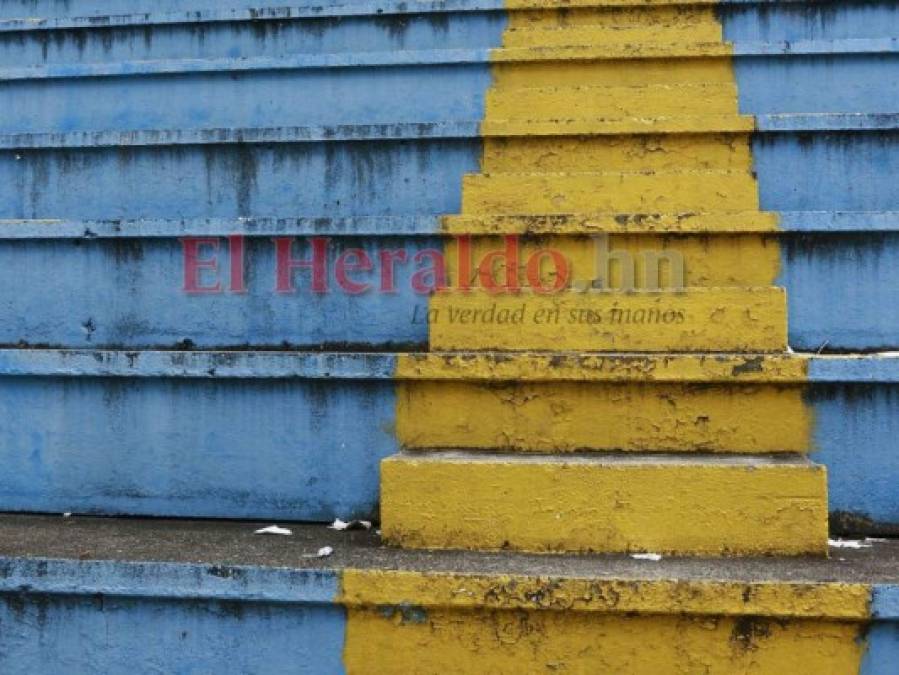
(323, 552)
(338, 524)
(654, 557)
(847, 543)
(274, 529)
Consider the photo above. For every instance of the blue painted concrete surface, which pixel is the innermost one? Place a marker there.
(842, 290)
(277, 180)
(855, 432)
(131, 294)
(882, 653)
(81, 634)
(288, 449)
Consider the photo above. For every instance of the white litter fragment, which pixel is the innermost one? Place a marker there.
(323, 552)
(847, 543)
(876, 540)
(67, 514)
(654, 557)
(338, 524)
(274, 529)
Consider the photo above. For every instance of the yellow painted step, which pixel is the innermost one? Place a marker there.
(657, 100)
(560, 154)
(705, 505)
(629, 55)
(720, 222)
(690, 320)
(593, 34)
(642, 260)
(569, 416)
(586, 66)
(648, 16)
(561, 5)
(649, 192)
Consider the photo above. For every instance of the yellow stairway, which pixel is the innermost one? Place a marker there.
(630, 172)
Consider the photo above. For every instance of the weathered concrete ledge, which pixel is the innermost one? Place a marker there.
(225, 560)
(711, 223)
(456, 129)
(425, 57)
(473, 366)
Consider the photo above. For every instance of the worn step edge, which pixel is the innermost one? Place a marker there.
(458, 56)
(456, 366)
(335, 8)
(723, 222)
(614, 503)
(465, 129)
(201, 559)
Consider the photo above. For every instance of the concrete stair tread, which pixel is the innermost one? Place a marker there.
(229, 542)
(613, 90)
(605, 174)
(625, 223)
(556, 365)
(661, 124)
(619, 460)
(615, 51)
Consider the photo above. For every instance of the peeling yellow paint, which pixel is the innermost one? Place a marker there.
(617, 153)
(409, 622)
(639, 23)
(476, 641)
(536, 367)
(604, 504)
(736, 260)
(664, 100)
(611, 192)
(606, 594)
(566, 416)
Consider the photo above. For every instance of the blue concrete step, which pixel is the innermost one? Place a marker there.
(112, 596)
(124, 281)
(299, 436)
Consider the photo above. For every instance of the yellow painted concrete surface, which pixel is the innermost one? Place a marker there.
(561, 367)
(657, 100)
(720, 152)
(642, 21)
(689, 320)
(606, 594)
(440, 641)
(611, 192)
(605, 504)
(567, 416)
(561, 5)
(641, 261)
(570, 68)
(604, 32)
(626, 126)
(720, 222)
